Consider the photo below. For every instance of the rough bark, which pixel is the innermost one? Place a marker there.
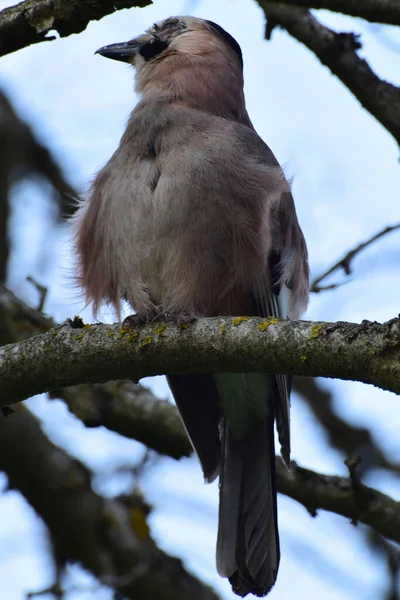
(73, 353)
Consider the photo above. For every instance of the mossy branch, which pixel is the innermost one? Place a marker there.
(75, 353)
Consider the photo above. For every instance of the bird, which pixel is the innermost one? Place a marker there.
(193, 217)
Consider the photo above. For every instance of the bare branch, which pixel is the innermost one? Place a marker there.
(345, 262)
(29, 22)
(4, 206)
(375, 11)
(99, 533)
(64, 356)
(338, 51)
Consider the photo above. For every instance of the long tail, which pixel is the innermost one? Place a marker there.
(248, 542)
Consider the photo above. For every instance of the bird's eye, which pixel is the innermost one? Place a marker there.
(152, 48)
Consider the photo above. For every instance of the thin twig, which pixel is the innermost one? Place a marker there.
(42, 289)
(345, 262)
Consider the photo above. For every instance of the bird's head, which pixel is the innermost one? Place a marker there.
(164, 46)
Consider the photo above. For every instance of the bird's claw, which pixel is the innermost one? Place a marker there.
(139, 319)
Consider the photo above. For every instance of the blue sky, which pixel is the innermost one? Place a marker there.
(346, 186)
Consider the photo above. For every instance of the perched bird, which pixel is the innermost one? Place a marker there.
(193, 216)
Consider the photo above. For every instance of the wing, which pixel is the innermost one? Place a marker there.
(272, 301)
(283, 290)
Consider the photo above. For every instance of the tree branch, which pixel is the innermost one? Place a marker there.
(338, 51)
(29, 22)
(345, 262)
(132, 411)
(64, 356)
(375, 11)
(104, 535)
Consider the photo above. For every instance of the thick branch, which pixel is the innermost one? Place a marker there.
(338, 51)
(102, 534)
(132, 411)
(368, 352)
(29, 22)
(376, 11)
(345, 262)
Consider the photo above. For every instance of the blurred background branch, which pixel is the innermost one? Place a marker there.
(22, 156)
(376, 11)
(338, 51)
(349, 439)
(105, 535)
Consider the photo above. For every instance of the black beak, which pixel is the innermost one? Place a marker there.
(124, 51)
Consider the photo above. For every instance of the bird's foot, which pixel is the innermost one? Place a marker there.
(139, 319)
(177, 318)
(136, 320)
